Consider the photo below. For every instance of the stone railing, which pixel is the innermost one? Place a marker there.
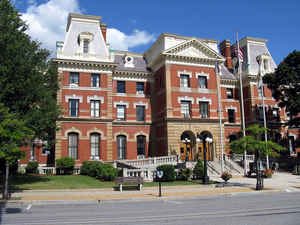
(240, 157)
(152, 162)
(146, 174)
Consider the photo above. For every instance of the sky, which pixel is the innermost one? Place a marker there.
(134, 25)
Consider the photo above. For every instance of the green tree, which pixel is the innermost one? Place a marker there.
(28, 80)
(13, 135)
(252, 143)
(285, 85)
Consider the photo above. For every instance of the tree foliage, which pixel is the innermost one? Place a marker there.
(285, 85)
(253, 142)
(28, 81)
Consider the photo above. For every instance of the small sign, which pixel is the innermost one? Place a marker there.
(159, 173)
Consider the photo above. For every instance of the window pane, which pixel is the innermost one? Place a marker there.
(229, 92)
(73, 107)
(185, 109)
(85, 46)
(141, 145)
(95, 108)
(95, 80)
(140, 113)
(121, 112)
(231, 116)
(73, 145)
(121, 145)
(95, 145)
(140, 86)
(204, 110)
(121, 87)
(202, 81)
(184, 80)
(74, 78)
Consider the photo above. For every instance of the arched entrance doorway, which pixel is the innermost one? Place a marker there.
(187, 146)
(209, 147)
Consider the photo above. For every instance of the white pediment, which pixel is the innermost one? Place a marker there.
(195, 49)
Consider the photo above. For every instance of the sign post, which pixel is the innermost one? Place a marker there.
(159, 174)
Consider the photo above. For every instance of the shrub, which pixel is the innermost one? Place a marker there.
(32, 167)
(108, 172)
(184, 174)
(198, 171)
(169, 172)
(65, 165)
(226, 176)
(98, 169)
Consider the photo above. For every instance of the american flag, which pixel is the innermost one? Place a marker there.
(239, 53)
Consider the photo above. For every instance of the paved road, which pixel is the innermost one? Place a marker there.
(227, 209)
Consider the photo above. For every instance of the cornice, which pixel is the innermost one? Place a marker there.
(85, 63)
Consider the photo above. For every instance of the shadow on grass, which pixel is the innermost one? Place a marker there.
(15, 181)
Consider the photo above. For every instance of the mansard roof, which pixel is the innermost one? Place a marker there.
(226, 74)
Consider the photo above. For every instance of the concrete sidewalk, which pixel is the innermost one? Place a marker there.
(279, 182)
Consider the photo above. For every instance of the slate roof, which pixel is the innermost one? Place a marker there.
(139, 62)
(226, 74)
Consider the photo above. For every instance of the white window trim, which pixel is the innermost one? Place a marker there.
(204, 99)
(140, 104)
(231, 107)
(202, 74)
(121, 103)
(95, 97)
(68, 97)
(85, 36)
(184, 72)
(185, 98)
(130, 63)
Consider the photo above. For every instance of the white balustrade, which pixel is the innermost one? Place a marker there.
(152, 162)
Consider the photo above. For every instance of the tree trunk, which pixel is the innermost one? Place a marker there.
(5, 192)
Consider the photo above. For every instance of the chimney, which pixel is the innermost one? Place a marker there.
(226, 52)
(103, 27)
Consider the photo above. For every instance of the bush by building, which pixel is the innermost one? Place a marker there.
(65, 165)
(32, 167)
(169, 172)
(198, 171)
(99, 170)
(184, 174)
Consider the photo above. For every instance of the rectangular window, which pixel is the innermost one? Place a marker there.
(204, 110)
(121, 86)
(202, 81)
(73, 107)
(73, 145)
(229, 93)
(121, 112)
(231, 115)
(74, 78)
(275, 113)
(185, 109)
(184, 80)
(140, 87)
(86, 46)
(95, 80)
(261, 91)
(95, 108)
(95, 145)
(140, 113)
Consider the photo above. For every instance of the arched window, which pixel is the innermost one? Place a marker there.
(95, 146)
(121, 144)
(141, 145)
(73, 145)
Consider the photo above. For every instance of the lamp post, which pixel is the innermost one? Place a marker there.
(186, 141)
(204, 138)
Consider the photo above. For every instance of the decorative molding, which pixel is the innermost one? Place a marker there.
(96, 130)
(227, 86)
(121, 133)
(73, 130)
(140, 103)
(185, 98)
(185, 89)
(141, 133)
(121, 103)
(95, 97)
(203, 99)
(202, 74)
(67, 97)
(231, 107)
(184, 72)
(203, 90)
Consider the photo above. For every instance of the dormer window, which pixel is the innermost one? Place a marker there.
(128, 61)
(86, 46)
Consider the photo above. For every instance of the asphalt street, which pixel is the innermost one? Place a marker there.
(226, 209)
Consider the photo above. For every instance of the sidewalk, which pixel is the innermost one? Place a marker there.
(279, 182)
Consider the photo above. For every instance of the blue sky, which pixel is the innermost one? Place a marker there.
(135, 24)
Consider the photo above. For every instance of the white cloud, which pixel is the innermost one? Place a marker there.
(47, 24)
(120, 41)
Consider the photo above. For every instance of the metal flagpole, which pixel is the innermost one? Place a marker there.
(220, 116)
(242, 101)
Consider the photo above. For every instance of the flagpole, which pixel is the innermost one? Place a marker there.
(220, 116)
(242, 101)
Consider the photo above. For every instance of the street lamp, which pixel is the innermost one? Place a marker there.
(204, 138)
(186, 141)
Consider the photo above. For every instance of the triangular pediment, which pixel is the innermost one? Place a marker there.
(195, 49)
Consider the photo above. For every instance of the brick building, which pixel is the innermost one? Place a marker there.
(124, 105)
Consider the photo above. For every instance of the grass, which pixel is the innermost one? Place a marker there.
(33, 182)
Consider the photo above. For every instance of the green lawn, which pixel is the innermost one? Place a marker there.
(31, 182)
